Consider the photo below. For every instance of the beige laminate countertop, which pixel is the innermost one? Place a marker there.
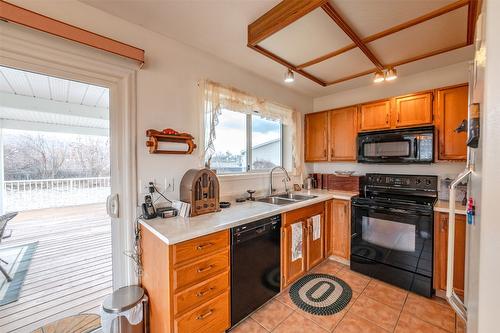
(442, 206)
(178, 229)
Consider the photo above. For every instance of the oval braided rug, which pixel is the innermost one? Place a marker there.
(320, 294)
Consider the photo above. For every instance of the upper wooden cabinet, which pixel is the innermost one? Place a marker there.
(342, 134)
(316, 137)
(413, 110)
(374, 116)
(451, 107)
(331, 135)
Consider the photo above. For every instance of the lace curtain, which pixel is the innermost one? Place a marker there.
(217, 97)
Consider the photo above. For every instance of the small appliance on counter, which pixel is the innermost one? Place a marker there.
(200, 188)
(310, 183)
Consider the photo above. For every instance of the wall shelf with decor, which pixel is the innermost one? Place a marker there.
(182, 143)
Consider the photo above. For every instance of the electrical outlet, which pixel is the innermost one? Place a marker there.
(169, 184)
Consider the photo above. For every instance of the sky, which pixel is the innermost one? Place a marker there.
(231, 132)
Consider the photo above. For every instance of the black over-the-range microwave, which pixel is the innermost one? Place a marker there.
(412, 145)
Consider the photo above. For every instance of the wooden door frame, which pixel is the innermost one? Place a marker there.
(31, 50)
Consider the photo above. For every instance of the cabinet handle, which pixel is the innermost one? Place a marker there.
(324, 153)
(203, 293)
(201, 270)
(205, 315)
(387, 118)
(332, 153)
(203, 246)
(443, 225)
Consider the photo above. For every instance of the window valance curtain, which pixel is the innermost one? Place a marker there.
(217, 97)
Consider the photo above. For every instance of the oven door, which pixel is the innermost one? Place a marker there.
(394, 244)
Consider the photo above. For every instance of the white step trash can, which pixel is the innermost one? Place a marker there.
(126, 310)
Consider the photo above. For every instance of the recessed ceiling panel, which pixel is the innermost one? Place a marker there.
(370, 17)
(346, 64)
(312, 36)
(441, 32)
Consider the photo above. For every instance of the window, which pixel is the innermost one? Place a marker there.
(246, 142)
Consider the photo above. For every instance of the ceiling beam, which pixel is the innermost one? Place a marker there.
(471, 21)
(280, 16)
(327, 7)
(436, 13)
(285, 63)
(401, 62)
(18, 15)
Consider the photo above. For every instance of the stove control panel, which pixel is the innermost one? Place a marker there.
(428, 183)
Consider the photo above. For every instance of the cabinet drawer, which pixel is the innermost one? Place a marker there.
(200, 246)
(201, 293)
(210, 317)
(200, 270)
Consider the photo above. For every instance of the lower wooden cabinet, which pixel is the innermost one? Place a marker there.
(188, 284)
(299, 257)
(341, 228)
(441, 253)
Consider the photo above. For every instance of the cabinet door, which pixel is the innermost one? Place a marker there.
(315, 247)
(343, 132)
(341, 228)
(452, 107)
(374, 116)
(441, 253)
(316, 127)
(413, 110)
(293, 267)
(328, 228)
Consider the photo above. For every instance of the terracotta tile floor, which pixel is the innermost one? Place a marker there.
(375, 307)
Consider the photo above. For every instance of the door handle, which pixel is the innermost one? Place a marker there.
(204, 269)
(113, 205)
(203, 293)
(203, 246)
(205, 315)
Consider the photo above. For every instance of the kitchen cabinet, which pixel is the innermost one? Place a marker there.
(315, 247)
(316, 137)
(342, 134)
(441, 253)
(299, 258)
(451, 110)
(413, 110)
(187, 283)
(374, 116)
(341, 228)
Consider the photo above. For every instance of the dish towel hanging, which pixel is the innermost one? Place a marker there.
(316, 227)
(296, 241)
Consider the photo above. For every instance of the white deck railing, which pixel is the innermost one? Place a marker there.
(19, 195)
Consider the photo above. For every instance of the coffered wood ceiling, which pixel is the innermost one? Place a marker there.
(332, 41)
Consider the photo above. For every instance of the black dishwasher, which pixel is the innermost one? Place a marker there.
(255, 265)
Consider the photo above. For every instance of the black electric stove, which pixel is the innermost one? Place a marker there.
(392, 230)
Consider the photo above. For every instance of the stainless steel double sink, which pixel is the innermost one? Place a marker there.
(286, 198)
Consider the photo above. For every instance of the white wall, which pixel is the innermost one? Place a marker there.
(485, 305)
(167, 91)
(441, 77)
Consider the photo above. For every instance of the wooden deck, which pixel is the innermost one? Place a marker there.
(70, 272)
